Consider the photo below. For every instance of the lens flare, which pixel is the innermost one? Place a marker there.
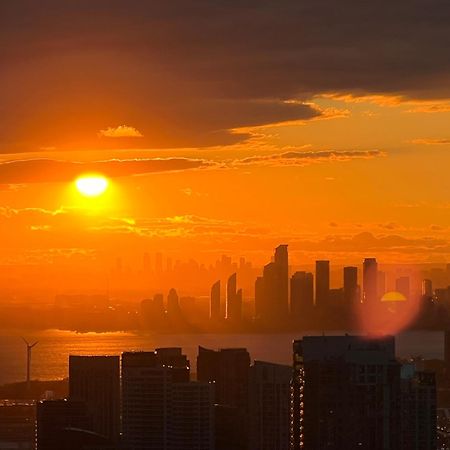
(91, 185)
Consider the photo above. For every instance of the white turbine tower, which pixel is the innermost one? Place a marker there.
(29, 348)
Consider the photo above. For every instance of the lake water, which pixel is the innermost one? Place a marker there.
(50, 356)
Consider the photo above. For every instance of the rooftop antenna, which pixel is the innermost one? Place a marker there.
(29, 348)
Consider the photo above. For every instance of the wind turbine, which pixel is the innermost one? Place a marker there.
(29, 348)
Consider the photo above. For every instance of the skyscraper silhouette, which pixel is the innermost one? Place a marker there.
(322, 283)
(271, 291)
(214, 305)
(95, 380)
(302, 295)
(234, 300)
(370, 281)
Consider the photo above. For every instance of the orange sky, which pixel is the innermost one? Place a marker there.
(226, 129)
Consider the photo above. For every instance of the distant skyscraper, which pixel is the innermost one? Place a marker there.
(370, 281)
(269, 400)
(231, 295)
(381, 284)
(281, 260)
(214, 305)
(351, 285)
(234, 299)
(95, 380)
(302, 294)
(173, 306)
(260, 298)
(402, 286)
(322, 283)
(271, 293)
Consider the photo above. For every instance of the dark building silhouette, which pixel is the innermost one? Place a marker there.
(228, 369)
(64, 425)
(348, 392)
(95, 380)
(381, 284)
(370, 281)
(269, 400)
(272, 289)
(322, 283)
(427, 288)
(419, 409)
(229, 429)
(17, 425)
(191, 416)
(351, 291)
(260, 298)
(173, 306)
(302, 295)
(214, 305)
(162, 409)
(234, 299)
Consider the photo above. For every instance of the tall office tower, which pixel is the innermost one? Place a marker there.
(281, 260)
(419, 408)
(173, 306)
(370, 281)
(147, 393)
(269, 400)
(95, 380)
(231, 296)
(402, 285)
(302, 295)
(192, 416)
(322, 283)
(272, 292)
(427, 288)
(65, 425)
(214, 302)
(341, 381)
(351, 286)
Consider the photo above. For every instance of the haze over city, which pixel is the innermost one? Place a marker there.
(224, 225)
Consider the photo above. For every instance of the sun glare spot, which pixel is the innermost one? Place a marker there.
(91, 185)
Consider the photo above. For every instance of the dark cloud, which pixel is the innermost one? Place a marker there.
(186, 72)
(48, 170)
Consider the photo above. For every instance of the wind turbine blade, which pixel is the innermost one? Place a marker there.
(36, 343)
(26, 342)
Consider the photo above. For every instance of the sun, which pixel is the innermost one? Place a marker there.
(91, 185)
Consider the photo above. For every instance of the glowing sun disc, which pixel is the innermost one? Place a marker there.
(91, 185)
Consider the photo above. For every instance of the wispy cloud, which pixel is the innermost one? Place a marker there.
(301, 158)
(120, 132)
(430, 141)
